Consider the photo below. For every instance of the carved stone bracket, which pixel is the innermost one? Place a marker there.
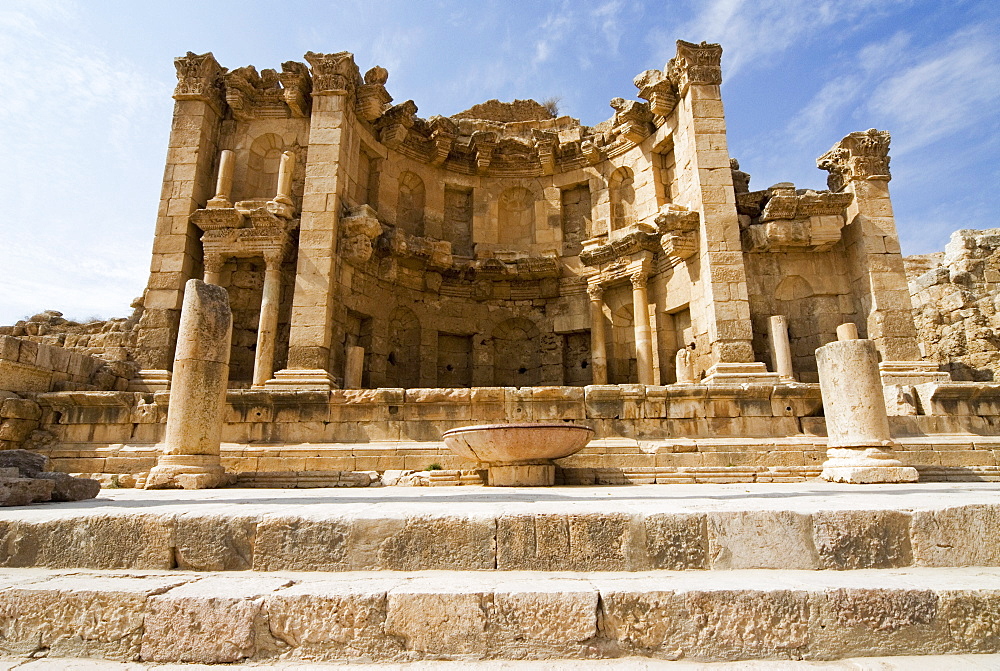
(199, 77)
(860, 155)
(483, 144)
(591, 152)
(247, 91)
(793, 220)
(297, 87)
(258, 233)
(546, 144)
(656, 88)
(358, 231)
(632, 240)
(518, 268)
(435, 253)
(373, 98)
(698, 64)
(633, 120)
(443, 134)
(333, 74)
(741, 180)
(395, 124)
(679, 228)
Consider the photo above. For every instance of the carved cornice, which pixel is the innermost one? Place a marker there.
(199, 77)
(333, 74)
(297, 86)
(259, 233)
(633, 120)
(373, 98)
(695, 64)
(656, 88)
(787, 203)
(395, 124)
(637, 238)
(860, 155)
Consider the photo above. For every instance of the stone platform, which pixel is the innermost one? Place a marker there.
(810, 571)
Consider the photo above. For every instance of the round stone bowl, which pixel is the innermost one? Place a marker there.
(518, 455)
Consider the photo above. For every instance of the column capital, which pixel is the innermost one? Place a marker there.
(860, 155)
(273, 259)
(214, 262)
(698, 64)
(595, 291)
(639, 278)
(333, 74)
(199, 77)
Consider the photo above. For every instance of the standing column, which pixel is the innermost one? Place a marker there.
(190, 451)
(859, 447)
(285, 169)
(213, 268)
(781, 349)
(224, 184)
(643, 334)
(598, 348)
(267, 327)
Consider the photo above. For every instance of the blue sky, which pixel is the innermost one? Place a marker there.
(86, 110)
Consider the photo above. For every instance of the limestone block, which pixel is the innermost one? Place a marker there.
(79, 616)
(214, 542)
(973, 619)
(29, 464)
(211, 621)
(538, 619)
(20, 408)
(93, 541)
(958, 536)
(677, 541)
(584, 542)
(441, 622)
(333, 619)
(761, 539)
(293, 543)
(455, 543)
(68, 488)
(24, 491)
(853, 539)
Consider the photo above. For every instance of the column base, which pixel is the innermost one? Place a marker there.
(152, 380)
(188, 472)
(310, 380)
(522, 475)
(865, 465)
(753, 372)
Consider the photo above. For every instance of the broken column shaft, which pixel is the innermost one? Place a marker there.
(190, 451)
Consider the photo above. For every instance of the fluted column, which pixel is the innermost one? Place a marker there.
(598, 349)
(213, 268)
(643, 334)
(267, 327)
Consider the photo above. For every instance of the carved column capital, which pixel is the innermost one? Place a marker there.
(639, 278)
(699, 64)
(860, 155)
(273, 259)
(595, 291)
(214, 263)
(333, 74)
(199, 77)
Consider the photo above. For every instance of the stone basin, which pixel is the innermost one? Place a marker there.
(518, 455)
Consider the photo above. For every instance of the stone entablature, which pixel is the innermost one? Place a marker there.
(455, 251)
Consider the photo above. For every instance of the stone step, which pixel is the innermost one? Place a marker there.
(981, 662)
(468, 615)
(638, 528)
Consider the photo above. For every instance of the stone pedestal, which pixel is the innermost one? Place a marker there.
(522, 475)
(859, 447)
(190, 452)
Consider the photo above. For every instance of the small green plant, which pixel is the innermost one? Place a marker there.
(433, 467)
(115, 483)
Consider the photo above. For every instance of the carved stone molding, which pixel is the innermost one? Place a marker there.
(395, 123)
(698, 64)
(333, 74)
(297, 85)
(358, 231)
(860, 155)
(373, 98)
(656, 88)
(199, 77)
(633, 120)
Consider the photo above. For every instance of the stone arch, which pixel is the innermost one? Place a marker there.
(261, 177)
(516, 217)
(516, 357)
(621, 189)
(410, 206)
(403, 359)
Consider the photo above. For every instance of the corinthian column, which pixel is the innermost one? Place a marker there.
(643, 335)
(213, 268)
(598, 352)
(267, 327)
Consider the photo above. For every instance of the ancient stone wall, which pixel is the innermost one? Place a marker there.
(957, 304)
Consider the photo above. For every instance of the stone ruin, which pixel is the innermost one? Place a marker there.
(391, 277)
(337, 283)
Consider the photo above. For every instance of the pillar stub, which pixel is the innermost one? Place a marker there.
(859, 444)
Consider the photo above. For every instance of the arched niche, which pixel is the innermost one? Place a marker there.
(621, 190)
(410, 205)
(516, 357)
(403, 359)
(516, 218)
(260, 180)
